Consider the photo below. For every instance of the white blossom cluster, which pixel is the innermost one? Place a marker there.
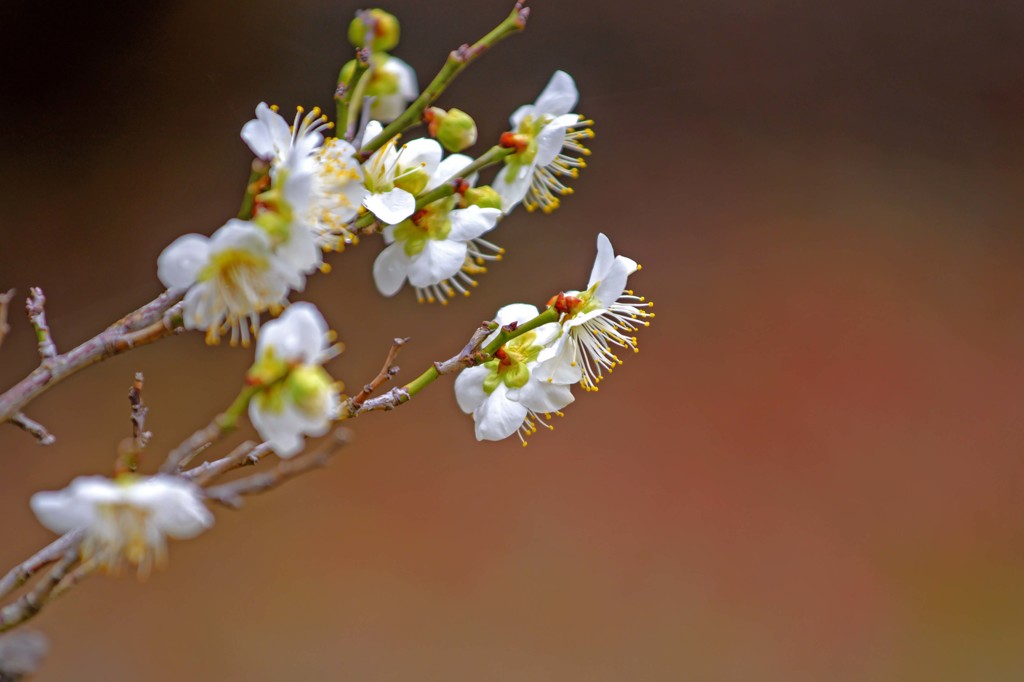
(318, 193)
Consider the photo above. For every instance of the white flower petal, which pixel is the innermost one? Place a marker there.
(559, 96)
(543, 397)
(551, 139)
(471, 222)
(391, 207)
(448, 170)
(420, 153)
(298, 335)
(512, 184)
(179, 264)
(561, 366)
(390, 269)
(469, 388)
(604, 260)
(439, 260)
(175, 504)
(373, 129)
(498, 417)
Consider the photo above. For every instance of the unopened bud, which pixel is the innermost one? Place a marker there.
(385, 30)
(484, 196)
(456, 130)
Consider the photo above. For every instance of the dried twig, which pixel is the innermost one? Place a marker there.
(20, 574)
(33, 601)
(230, 494)
(81, 572)
(5, 304)
(151, 322)
(131, 448)
(35, 428)
(389, 370)
(246, 454)
(35, 307)
(220, 426)
(466, 357)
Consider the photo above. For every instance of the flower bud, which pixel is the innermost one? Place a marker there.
(454, 129)
(385, 30)
(484, 196)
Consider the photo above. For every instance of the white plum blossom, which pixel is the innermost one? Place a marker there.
(298, 397)
(505, 395)
(592, 321)
(338, 191)
(231, 278)
(395, 175)
(127, 519)
(393, 86)
(437, 247)
(327, 180)
(271, 138)
(540, 133)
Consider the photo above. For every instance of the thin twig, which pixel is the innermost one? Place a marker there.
(35, 307)
(131, 448)
(246, 454)
(5, 305)
(466, 357)
(388, 371)
(230, 494)
(35, 428)
(151, 322)
(83, 571)
(20, 574)
(220, 426)
(32, 602)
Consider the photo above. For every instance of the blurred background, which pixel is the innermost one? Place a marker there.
(812, 471)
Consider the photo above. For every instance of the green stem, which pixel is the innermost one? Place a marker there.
(259, 170)
(504, 336)
(488, 158)
(348, 91)
(456, 62)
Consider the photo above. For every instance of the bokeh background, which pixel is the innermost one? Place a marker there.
(812, 471)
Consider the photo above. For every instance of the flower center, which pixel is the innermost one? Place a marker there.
(232, 267)
(509, 365)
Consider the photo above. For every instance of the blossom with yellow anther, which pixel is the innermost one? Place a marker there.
(439, 247)
(592, 321)
(298, 397)
(505, 395)
(548, 144)
(231, 278)
(395, 174)
(127, 519)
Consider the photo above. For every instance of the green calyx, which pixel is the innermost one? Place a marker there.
(308, 387)
(484, 196)
(413, 180)
(430, 222)
(385, 27)
(274, 215)
(267, 369)
(509, 365)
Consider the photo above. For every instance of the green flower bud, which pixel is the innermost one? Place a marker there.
(385, 30)
(484, 196)
(456, 130)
